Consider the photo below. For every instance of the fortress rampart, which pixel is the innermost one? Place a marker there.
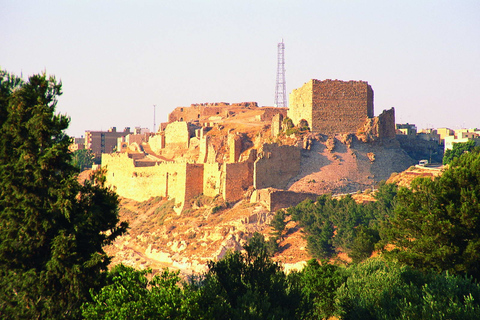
(205, 110)
(211, 155)
(275, 166)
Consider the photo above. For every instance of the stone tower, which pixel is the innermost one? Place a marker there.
(332, 106)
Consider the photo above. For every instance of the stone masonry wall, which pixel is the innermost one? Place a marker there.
(177, 135)
(212, 179)
(205, 110)
(336, 106)
(234, 147)
(340, 107)
(275, 199)
(135, 183)
(276, 126)
(270, 112)
(275, 166)
(157, 142)
(386, 124)
(300, 103)
(280, 199)
(193, 181)
(238, 178)
(181, 181)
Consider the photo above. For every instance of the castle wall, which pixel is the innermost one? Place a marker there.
(131, 182)
(193, 181)
(386, 124)
(340, 107)
(195, 112)
(234, 147)
(238, 178)
(276, 127)
(205, 110)
(177, 135)
(270, 112)
(332, 106)
(280, 199)
(276, 199)
(212, 179)
(181, 181)
(157, 142)
(300, 104)
(275, 166)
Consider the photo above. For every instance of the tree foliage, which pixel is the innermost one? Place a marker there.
(129, 294)
(457, 150)
(319, 285)
(83, 159)
(376, 289)
(334, 225)
(52, 228)
(437, 222)
(258, 246)
(278, 223)
(246, 286)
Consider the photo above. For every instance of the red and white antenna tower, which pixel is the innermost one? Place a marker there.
(280, 89)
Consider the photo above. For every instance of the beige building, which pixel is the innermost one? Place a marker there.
(406, 129)
(460, 136)
(77, 144)
(103, 141)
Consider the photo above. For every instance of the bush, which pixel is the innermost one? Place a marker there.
(377, 289)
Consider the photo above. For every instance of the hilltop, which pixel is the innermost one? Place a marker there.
(215, 173)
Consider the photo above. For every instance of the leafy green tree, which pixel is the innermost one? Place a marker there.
(363, 243)
(52, 228)
(378, 289)
(436, 225)
(83, 159)
(457, 150)
(258, 246)
(129, 294)
(319, 284)
(246, 286)
(278, 223)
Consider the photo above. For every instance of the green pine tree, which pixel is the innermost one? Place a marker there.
(437, 223)
(52, 229)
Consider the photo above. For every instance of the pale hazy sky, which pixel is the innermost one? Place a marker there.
(116, 59)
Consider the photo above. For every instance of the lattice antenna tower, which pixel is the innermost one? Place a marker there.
(280, 89)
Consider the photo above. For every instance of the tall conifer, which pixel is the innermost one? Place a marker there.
(52, 229)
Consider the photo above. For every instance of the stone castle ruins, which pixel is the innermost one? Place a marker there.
(243, 151)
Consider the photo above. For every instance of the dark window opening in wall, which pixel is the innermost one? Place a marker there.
(198, 116)
(218, 112)
(181, 109)
(181, 119)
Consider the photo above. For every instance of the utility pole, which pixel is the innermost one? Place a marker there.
(280, 89)
(153, 118)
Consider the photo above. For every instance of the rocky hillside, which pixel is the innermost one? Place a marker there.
(159, 238)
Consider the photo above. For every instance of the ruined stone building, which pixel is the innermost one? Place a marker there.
(234, 151)
(335, 106)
